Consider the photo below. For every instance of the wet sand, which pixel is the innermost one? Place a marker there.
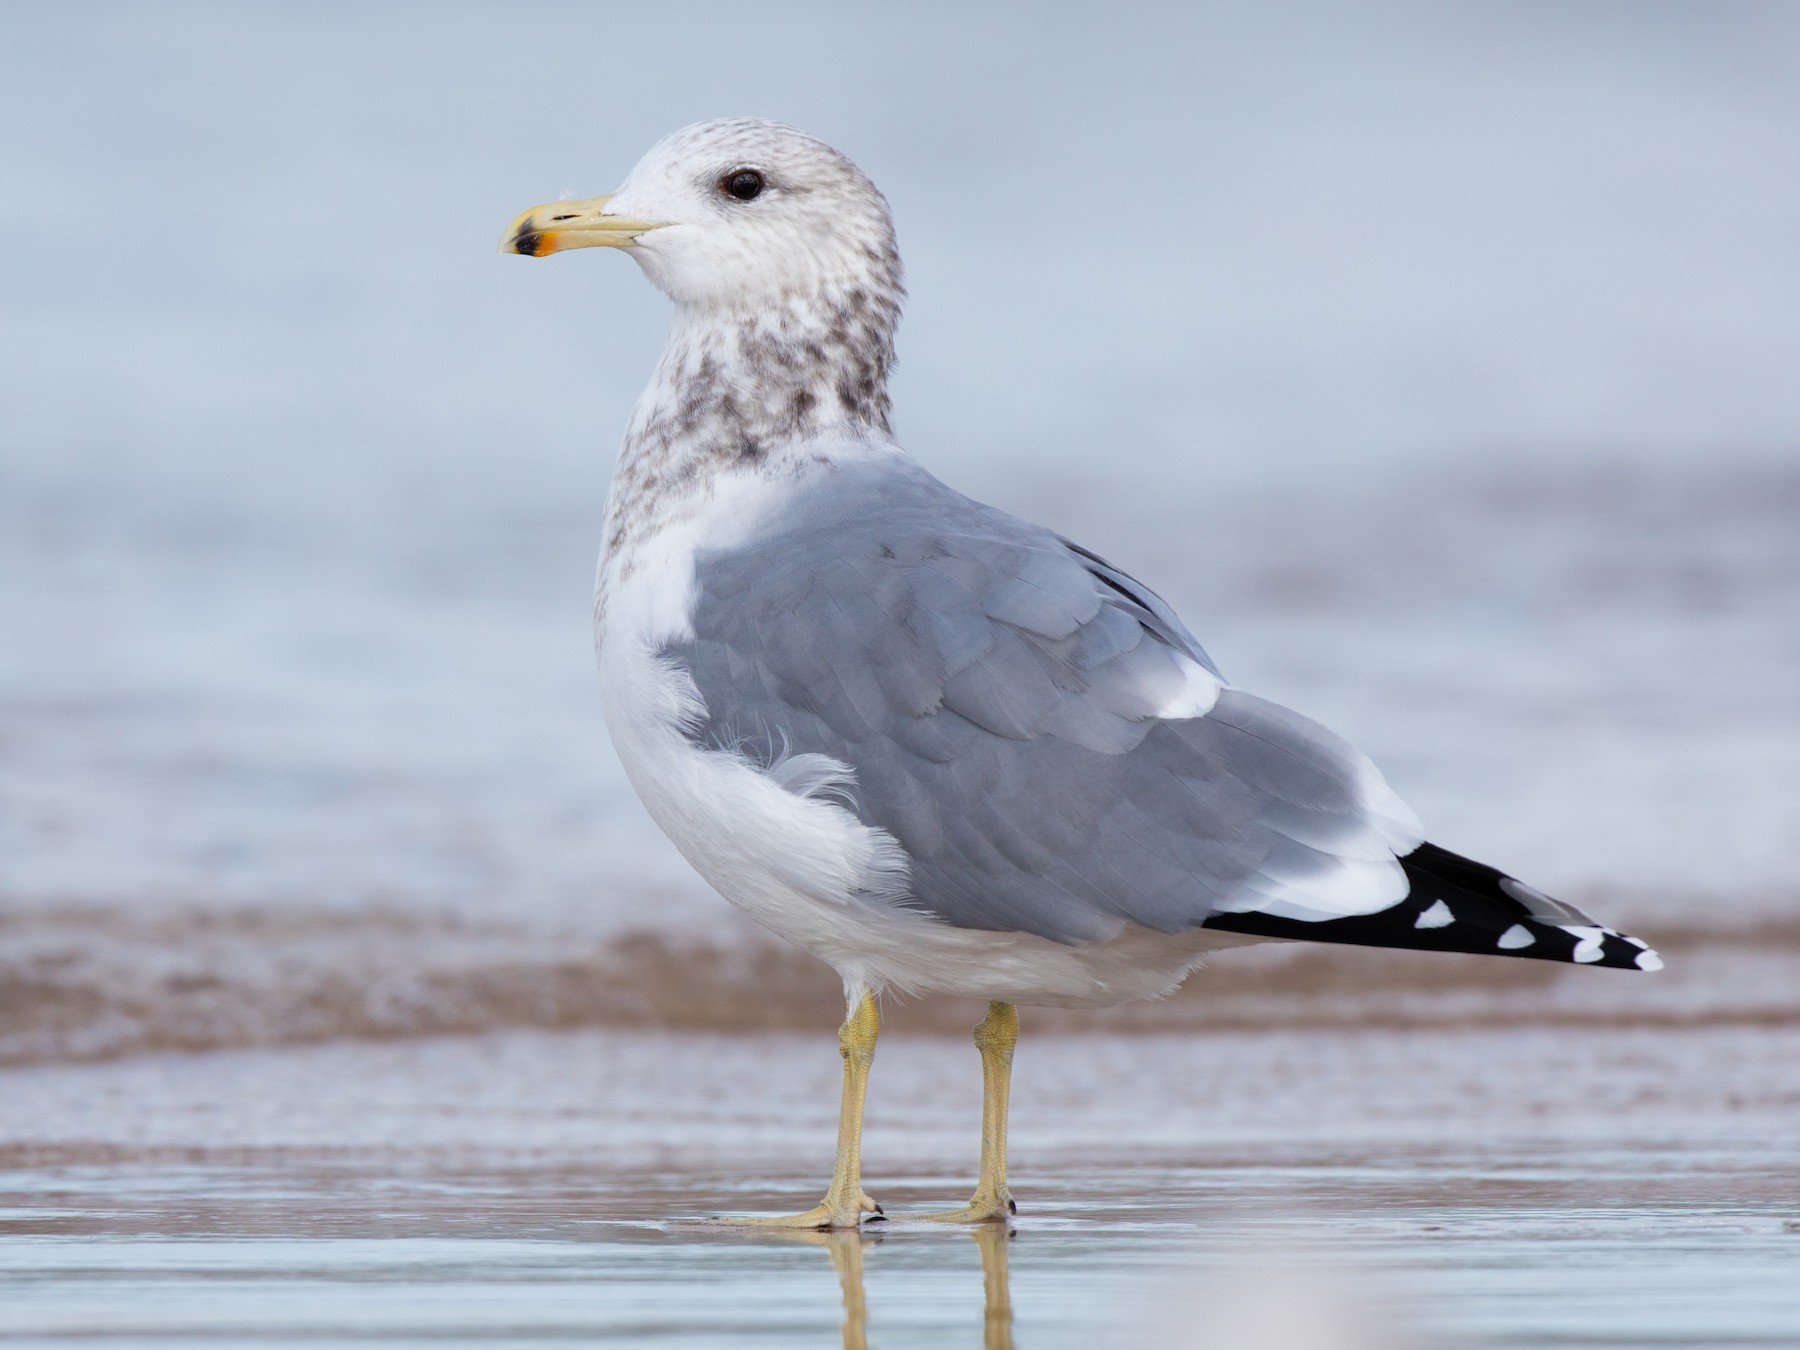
(80, 983)
(1578, 1185)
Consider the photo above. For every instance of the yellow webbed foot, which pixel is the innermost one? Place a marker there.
(829, 1213)
(983, 1207)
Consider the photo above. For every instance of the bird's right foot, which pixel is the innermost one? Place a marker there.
(830, 1213)
(985, 1206)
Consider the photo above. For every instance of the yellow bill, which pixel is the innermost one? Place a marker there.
(556, 226)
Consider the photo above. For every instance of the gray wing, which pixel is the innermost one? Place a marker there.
(1018, 715)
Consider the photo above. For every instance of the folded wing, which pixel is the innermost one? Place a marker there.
(1048, 744)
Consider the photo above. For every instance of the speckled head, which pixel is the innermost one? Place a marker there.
(736, 215)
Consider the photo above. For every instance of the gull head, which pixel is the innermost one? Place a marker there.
(734, 215)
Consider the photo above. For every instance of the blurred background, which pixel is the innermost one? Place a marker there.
(1440, 363)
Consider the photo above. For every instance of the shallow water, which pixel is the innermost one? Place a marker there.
(1537, 1187)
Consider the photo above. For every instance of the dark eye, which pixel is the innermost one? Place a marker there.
(744, 184)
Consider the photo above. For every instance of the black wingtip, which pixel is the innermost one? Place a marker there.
(1458, 905)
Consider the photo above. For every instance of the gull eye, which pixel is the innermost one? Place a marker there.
(744, 184)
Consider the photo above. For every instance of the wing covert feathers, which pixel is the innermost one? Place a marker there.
(1051, 748)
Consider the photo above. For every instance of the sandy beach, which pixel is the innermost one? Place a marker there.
(1525, 1187)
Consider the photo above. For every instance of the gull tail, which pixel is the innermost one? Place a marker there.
(1458, 905)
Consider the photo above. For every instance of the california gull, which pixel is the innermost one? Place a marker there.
(943, 749)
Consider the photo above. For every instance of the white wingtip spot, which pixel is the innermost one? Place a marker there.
(1649, 960)
(1590, 942)
(1516, 937)
(1438, 916)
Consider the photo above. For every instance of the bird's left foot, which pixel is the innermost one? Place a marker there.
(983, 1207)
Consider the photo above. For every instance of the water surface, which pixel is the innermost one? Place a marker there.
(1525, 1188)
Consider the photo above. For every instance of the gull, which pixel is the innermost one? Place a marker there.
(943, 749)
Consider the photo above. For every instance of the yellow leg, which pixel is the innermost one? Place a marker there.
(844, 1203)
(995, 1036)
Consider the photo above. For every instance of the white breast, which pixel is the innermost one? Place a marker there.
(798, 863)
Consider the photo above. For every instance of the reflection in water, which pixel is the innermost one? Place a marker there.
(847, 1255)
(993, 1239)
(847, 1246)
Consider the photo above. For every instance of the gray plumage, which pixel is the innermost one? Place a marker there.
(995, 691)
